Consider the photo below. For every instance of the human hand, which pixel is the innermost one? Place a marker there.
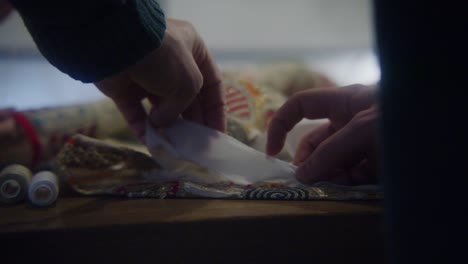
(343, 150)
(179, 78)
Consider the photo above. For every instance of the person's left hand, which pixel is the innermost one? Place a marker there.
(179, 78)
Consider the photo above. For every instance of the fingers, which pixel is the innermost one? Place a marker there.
(311, 141)
(345, 148)
(211, 96)
(312, 104)
(127, 96)
(213, 107)
(171, 90)
(175, 76)
(194, 112)
(135, 115)
(171, 107)
(176, 84)
(337, 104)
(364, 173)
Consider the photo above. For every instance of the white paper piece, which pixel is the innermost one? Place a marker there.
(221, 153)
(300, 130)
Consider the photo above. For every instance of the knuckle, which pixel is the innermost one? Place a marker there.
(187, 27)
(193, 82)
(362, 121)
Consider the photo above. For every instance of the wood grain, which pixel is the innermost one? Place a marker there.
(93, 230)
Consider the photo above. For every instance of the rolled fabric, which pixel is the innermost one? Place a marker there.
(283, 77)
(34, 137)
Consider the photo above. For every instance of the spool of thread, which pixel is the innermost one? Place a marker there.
(44, 189)
(14, 182)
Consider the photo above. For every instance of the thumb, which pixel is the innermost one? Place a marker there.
(311, 141)
(343, 149)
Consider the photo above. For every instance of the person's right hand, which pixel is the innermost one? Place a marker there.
(342, 151)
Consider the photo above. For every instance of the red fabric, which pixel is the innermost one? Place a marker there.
(31, 133)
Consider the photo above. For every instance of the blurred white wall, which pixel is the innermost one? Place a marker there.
(254, 24)
(334, 36)
(278, 24)
(14, 36)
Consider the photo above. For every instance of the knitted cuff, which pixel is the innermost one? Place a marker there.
(92, 47)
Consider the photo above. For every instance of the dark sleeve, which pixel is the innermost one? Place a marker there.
(92, 39)
(423, 91)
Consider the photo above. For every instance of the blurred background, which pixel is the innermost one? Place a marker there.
(334, 37)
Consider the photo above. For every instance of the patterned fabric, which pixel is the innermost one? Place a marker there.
(249, 105)
(41, 133)
(92, 167)
(322, 191)
(286, 193)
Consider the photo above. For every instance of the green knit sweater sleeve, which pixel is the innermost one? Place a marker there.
(93, 39)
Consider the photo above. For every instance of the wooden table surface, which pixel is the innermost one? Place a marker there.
(129, 230)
